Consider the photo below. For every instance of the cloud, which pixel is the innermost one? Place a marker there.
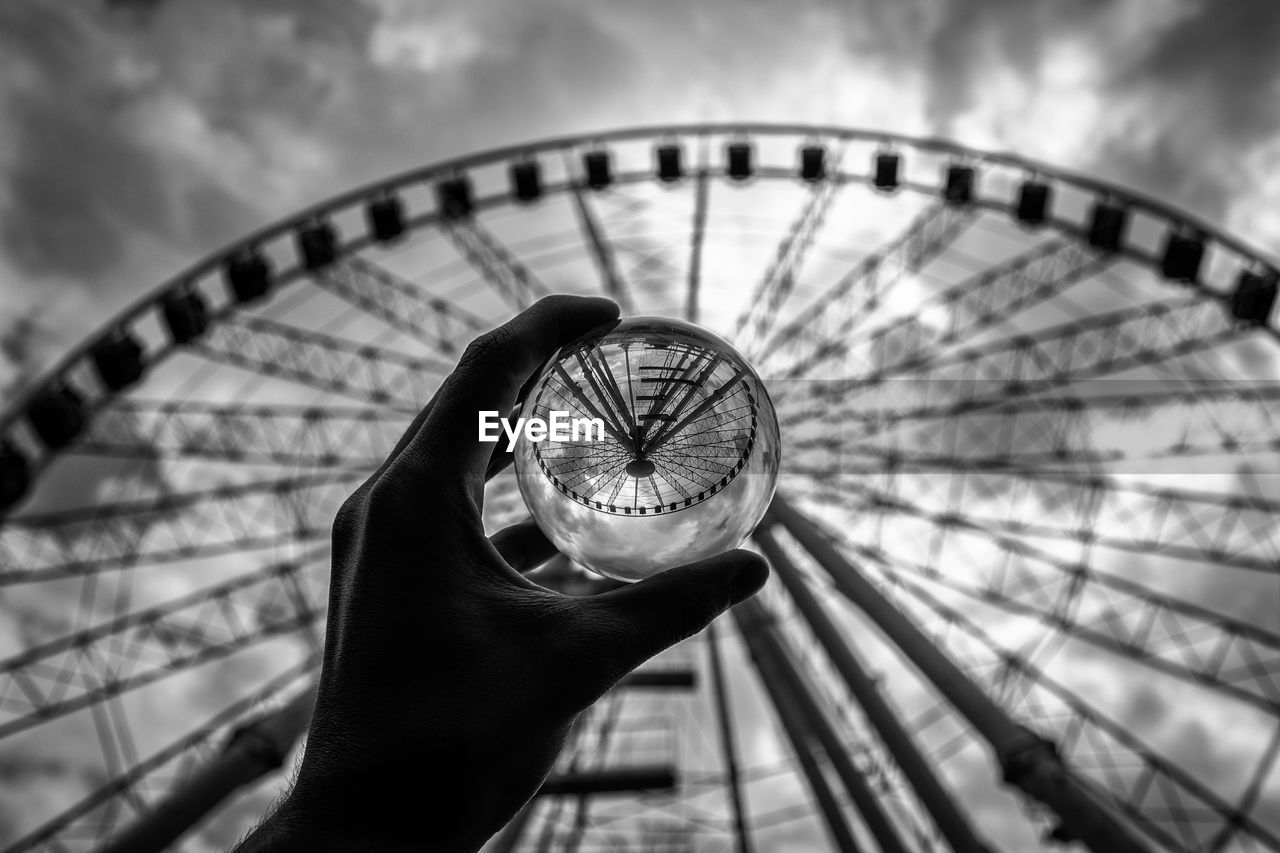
(140, 139)
(1170, 97)
(146, 140)
(1207, 88)
(82, 176)
(171, 131)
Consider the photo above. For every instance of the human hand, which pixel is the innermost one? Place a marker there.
(450, 681)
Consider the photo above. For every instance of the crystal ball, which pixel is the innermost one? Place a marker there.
(657, 446)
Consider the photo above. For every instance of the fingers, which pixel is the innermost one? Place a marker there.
(524, 546)
(654, 614)
(488, 378)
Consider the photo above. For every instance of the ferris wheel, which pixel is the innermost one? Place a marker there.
(1025, 550)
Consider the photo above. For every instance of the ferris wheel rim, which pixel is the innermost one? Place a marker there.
(1174, 217)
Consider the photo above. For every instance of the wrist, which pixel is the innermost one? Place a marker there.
(431, 785)
(408, 803)
(391, 815)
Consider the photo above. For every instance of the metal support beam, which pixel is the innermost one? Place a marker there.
(742, 839)
(935, 798)
(781, 677)
(111, 659)
(260, 747)
(798, 736)
(758, 320)
(601, 250)
(496, 264)
(581, 783)
(401, 304)
(253, 751)
(360, 372)
(1029, 761)
(695, 244)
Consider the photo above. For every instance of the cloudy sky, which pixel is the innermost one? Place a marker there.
(140, 135)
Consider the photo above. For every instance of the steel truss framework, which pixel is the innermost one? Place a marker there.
(1025, 552)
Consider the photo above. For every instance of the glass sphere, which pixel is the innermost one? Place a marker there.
(662, 448)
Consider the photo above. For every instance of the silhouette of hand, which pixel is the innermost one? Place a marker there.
(450, 681)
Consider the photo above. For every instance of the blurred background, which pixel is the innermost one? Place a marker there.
(141, 136)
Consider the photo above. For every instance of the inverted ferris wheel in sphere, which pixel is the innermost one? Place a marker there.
(1025, 550)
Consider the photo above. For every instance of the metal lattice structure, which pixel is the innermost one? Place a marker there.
(1026, 583)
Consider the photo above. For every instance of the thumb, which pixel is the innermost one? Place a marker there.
(647, 617)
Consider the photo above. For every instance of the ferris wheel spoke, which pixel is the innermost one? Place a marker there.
(1171, 636)
(1008, 289)
(848, 455)
(898, 763)
(494, 262)
(1200, 420)
(757, 321)
(1155, 628)
(1195, 418)
(697, 235)
(1051, 360)
(974, 304)
(822, 331)
(93, 666)
(598, 372)
(864, 745)
(649, 262)
(665, 379)
(667, 431)
(324, 362)
(726, 741)
(685, 380)
(602, 250)
(1219, 646)
(988, 669)
(84, 823)
(646, 254)
(401, 304)
(119, 752)
(172, 527)
(1162, 797)
(1204, 528)
(1238, 426)
(322, 437)
(1088, 349)
(612, 417)
(792, 697)
(656, 273)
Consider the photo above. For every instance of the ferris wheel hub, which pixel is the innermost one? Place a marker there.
(640, 468)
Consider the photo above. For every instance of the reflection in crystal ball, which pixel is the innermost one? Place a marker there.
(689, 456)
